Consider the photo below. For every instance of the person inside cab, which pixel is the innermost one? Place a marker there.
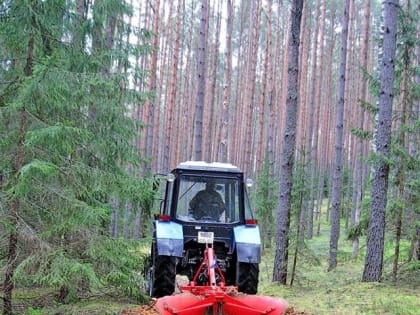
(207, 204)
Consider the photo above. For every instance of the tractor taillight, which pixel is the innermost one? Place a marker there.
(251, 222)
(164, 218)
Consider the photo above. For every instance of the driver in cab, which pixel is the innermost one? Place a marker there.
(207, 204)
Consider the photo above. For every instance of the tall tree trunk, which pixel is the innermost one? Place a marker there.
(170, 143)
(304, 57)
(252, 60)
(224, 138)
(150, 103)
(201, 83)
(214, 121)
(239, 93)
(376, 231)
(315, 171)
(413, 145)
(159, 131)
(288, 147)
(264, 90)
(325, 117)
(272, 100)
(358, 173)
(401, 168)
(189, 94)
(338, 158)
(351, 90)
(310, 116)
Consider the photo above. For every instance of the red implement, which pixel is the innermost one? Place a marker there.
(217, 299)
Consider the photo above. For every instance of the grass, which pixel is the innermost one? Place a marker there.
(42, 301)
(341, 291)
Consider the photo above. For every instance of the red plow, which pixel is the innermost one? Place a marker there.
(215, 298)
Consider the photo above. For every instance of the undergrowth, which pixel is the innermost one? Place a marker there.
(314, 291)
(341, 292)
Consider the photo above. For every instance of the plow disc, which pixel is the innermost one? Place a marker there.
(253, 305)
(184, 303)
(217, 302)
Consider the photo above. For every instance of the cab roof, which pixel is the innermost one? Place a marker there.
(206, 166)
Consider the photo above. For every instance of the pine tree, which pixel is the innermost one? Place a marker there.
(66, 141)
(201, 83)
(376, 231)
(338, 162)
(288, 148)
(402, 173)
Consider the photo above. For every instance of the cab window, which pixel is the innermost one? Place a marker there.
(208, 199)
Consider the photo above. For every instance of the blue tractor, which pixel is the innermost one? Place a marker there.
(205, 200)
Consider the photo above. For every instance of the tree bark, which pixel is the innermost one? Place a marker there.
(170, 141)
(288, 147)
(224, 138)
(306, 216)
(214, 121)
(251, 84)
(358, 173)
(263, 103)
(338, 157)
(376, 231)
(201, 83)
(150, 103)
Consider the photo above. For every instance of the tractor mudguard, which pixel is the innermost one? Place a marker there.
(248, 243)
(169, 238)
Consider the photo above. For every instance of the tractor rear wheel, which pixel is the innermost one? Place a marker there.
(247, 277)
(163, 275)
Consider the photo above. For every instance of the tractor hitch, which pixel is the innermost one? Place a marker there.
(216, 298)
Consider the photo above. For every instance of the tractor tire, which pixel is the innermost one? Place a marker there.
(247, 277)
(163, 275)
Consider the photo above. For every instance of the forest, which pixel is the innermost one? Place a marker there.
(317, 101)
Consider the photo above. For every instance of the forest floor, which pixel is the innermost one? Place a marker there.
(314, 290)
(341, 292)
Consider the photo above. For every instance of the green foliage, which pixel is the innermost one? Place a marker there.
(300, 188)
(66, 113)
(266, 200)
(361, 228)
(101, 263)
(361, 134)
(40, 170)
(56, 269)
(413, 265)
(118, 263)
(34, 311)
(369, 107)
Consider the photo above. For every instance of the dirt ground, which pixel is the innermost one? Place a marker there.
(292, 311)
(142, 310)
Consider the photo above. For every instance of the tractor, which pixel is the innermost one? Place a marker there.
(202, 201)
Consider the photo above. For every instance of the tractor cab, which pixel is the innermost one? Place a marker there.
(207, 193)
